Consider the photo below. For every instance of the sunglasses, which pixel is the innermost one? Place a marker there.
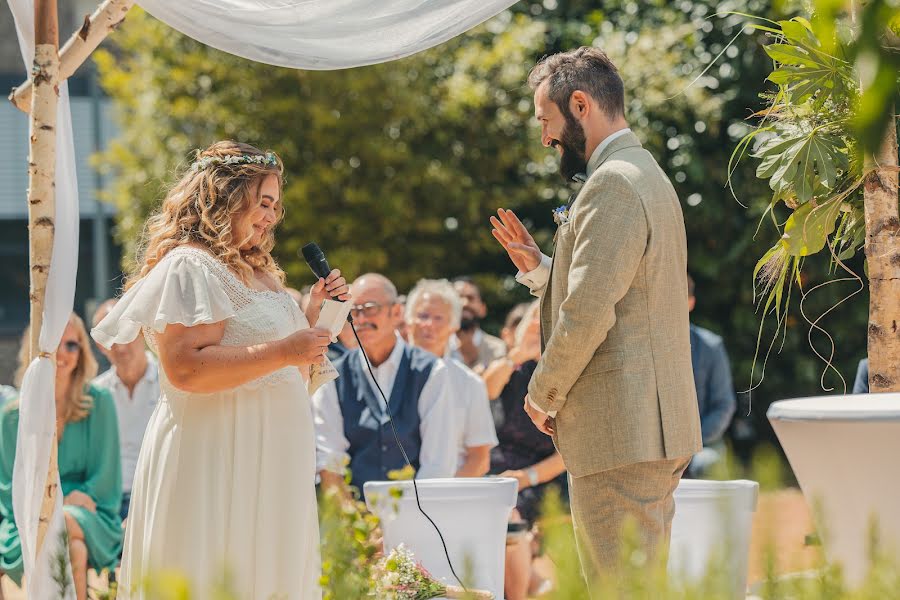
(71, 346)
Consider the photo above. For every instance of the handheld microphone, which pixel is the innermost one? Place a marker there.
(318, 264)
(315, 258)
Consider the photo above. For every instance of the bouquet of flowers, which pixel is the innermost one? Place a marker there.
(399, 577)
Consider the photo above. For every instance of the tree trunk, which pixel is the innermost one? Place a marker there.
(83, 42)
(42, 197)
(883, 254)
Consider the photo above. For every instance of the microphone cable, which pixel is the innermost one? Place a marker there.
(387, 409)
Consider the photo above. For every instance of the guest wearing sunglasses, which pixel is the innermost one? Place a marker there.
(352, 425)
(89, 465)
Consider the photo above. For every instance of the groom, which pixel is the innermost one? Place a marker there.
(614, 385)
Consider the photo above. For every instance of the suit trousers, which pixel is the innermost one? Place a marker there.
(603, 503)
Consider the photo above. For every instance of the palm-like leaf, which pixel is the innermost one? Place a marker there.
(805, 70)
(807, 162)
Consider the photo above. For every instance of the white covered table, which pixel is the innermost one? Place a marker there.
(844, 452)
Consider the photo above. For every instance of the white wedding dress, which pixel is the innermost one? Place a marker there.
(225, 481)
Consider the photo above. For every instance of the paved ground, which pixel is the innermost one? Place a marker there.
(782, 521)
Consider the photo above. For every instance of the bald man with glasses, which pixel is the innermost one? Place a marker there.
(352, 425)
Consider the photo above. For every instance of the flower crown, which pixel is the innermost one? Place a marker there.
(267, 159)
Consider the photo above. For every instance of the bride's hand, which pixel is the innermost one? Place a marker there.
(332, 287)
(306, 346)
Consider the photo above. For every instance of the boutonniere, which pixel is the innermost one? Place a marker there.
(561, 215)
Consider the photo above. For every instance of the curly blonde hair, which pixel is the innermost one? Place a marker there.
(78, 401)
(201, 207)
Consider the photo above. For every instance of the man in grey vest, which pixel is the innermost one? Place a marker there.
(352, 425)
(613, 385)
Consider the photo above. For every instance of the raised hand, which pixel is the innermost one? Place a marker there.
(515, 239)
(307, 346)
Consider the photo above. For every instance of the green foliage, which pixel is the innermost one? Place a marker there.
(806, 71)
(802, 163)
(807, 152)
(392, 164)
(872, 43)
(406, 160)
(349, 544)
(60, 567)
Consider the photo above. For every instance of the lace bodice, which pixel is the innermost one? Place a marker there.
(191, 287)
(259, 315)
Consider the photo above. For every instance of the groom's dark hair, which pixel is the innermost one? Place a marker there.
(587, 69)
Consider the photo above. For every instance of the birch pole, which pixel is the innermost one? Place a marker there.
(108, 15)
(42, 198)
(883, 255)
(882, 216)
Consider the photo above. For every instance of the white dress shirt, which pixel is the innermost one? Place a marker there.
(536, 279)
(439, 451)
(133, 412)
(474, 424)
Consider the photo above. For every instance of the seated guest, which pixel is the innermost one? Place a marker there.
(526, 454)
(715, 392)
(861, 383)
(475, 348)
(402, 329)
(432, 314)
(498, 371)
(133, 382)
(352, 425)
(90, 472)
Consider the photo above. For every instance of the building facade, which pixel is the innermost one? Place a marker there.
(98, 256)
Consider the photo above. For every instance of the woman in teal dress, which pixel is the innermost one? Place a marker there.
(89, 463)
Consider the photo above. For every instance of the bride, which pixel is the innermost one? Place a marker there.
(224, 489)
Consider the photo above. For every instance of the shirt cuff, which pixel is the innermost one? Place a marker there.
(333, 462)
(550, 413)
(537, 278)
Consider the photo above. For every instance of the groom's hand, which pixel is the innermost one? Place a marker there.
(515, 239)
(544, 422)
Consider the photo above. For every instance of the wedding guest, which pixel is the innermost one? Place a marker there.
(90, 471)
(402, 329)
(133, 382)
(715, 392)
(226, 475)
(861, 383)
(525, 454)
(474, 347)
(352, 425)
(433, 313)
(498, 371)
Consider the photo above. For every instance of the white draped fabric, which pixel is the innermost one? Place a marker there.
(37, 407)
(303, 34)
(323, 34)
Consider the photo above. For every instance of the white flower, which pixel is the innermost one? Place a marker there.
(243, 159)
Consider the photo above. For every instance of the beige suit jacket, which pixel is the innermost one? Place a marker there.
(616, 363)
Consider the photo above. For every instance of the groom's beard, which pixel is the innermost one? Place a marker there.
(573, 144)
